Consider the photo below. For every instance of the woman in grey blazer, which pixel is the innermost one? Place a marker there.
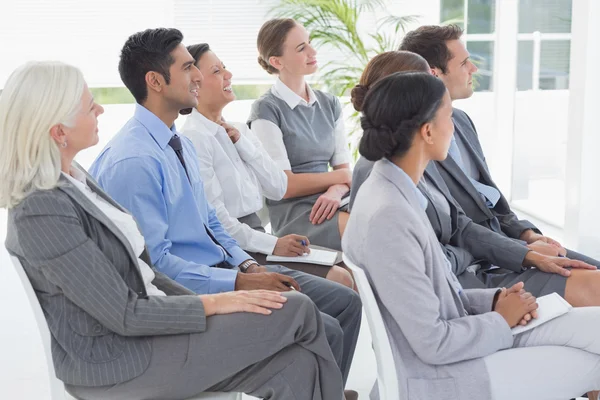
(448, 342)
(121, 329)
(474, 251)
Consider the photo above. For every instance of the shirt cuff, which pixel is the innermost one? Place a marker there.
(262, 242)
(238, 255)
(222, 280)
(245, 148)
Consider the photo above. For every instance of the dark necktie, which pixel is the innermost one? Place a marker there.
(175, 143)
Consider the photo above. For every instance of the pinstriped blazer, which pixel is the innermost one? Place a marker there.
(86, 278)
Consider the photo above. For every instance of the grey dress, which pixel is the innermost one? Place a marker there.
(308, 135)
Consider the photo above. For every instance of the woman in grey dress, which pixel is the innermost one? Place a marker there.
(303, 131)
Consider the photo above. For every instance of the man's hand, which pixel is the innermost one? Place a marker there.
(554, 265)
(232, 132)
(256, 268)
(291, 246)
(530, 237)
(547, 249)
(327, 204)
(255, 301)
(515, 304)
(265, 281)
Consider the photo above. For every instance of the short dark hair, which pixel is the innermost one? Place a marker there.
(270, 40)
(394, 109)
(145, 51)
(383, 65)
(197, 51)
(429, 41)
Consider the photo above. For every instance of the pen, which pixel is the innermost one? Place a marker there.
(303, 242)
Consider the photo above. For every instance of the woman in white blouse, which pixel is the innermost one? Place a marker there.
(237, 171)
(303, 131)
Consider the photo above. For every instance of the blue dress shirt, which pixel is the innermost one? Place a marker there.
(142, 173)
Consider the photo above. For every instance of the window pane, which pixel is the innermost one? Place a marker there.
(482, 54)
(525, 65)
(546, 16)
(554, 64)
(452, 11)
(482, 14)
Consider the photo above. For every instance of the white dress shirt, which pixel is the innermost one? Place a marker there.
(236, 177)
(126, 225)
(272, 137)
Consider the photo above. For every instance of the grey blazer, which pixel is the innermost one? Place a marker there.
(86, 278)
(438, 335)
(463, 241)
(464, 192)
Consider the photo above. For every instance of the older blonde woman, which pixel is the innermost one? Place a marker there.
(121, 329)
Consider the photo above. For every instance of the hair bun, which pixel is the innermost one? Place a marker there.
(267, 67)
(357, 96)
(376, 142)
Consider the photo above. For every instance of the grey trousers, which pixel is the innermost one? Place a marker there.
(341, 310)
(281, 356)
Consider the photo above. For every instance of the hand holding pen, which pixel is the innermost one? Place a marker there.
(291, 246)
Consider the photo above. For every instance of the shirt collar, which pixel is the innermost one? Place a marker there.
(420, 197)
(208, 125)
(157, 129)
(292, 99)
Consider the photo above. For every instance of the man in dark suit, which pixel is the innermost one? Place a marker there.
(465, 170)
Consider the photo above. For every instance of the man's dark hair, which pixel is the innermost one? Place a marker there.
(145, 51)
(429, 41)
(197, 51)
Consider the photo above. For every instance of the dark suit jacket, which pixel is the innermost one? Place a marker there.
(463, 241)
(86, 278)
(464, 192)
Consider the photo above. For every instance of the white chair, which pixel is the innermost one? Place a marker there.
(387, 380)
(57, 388)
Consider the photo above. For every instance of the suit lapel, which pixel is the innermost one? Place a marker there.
(145, 256)
(476, 155)
(390, 173)
(95, 212)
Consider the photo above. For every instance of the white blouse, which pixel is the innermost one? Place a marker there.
(124, 222)
(236, 177)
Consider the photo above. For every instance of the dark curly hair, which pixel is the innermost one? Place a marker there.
(394, 109)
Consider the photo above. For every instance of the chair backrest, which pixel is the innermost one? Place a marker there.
(387, 379)
(57, 388)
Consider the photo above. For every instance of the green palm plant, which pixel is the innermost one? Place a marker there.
(335, 24)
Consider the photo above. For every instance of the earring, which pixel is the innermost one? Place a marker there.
(63, 144)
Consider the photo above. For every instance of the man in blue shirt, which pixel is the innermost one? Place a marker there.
(154, 173)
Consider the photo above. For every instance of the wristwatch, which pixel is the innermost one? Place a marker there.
(246, 264)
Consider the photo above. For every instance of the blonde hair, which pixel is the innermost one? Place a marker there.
(36, 97)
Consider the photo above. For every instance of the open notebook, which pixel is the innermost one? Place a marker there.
(320, 257)
(549, 307)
